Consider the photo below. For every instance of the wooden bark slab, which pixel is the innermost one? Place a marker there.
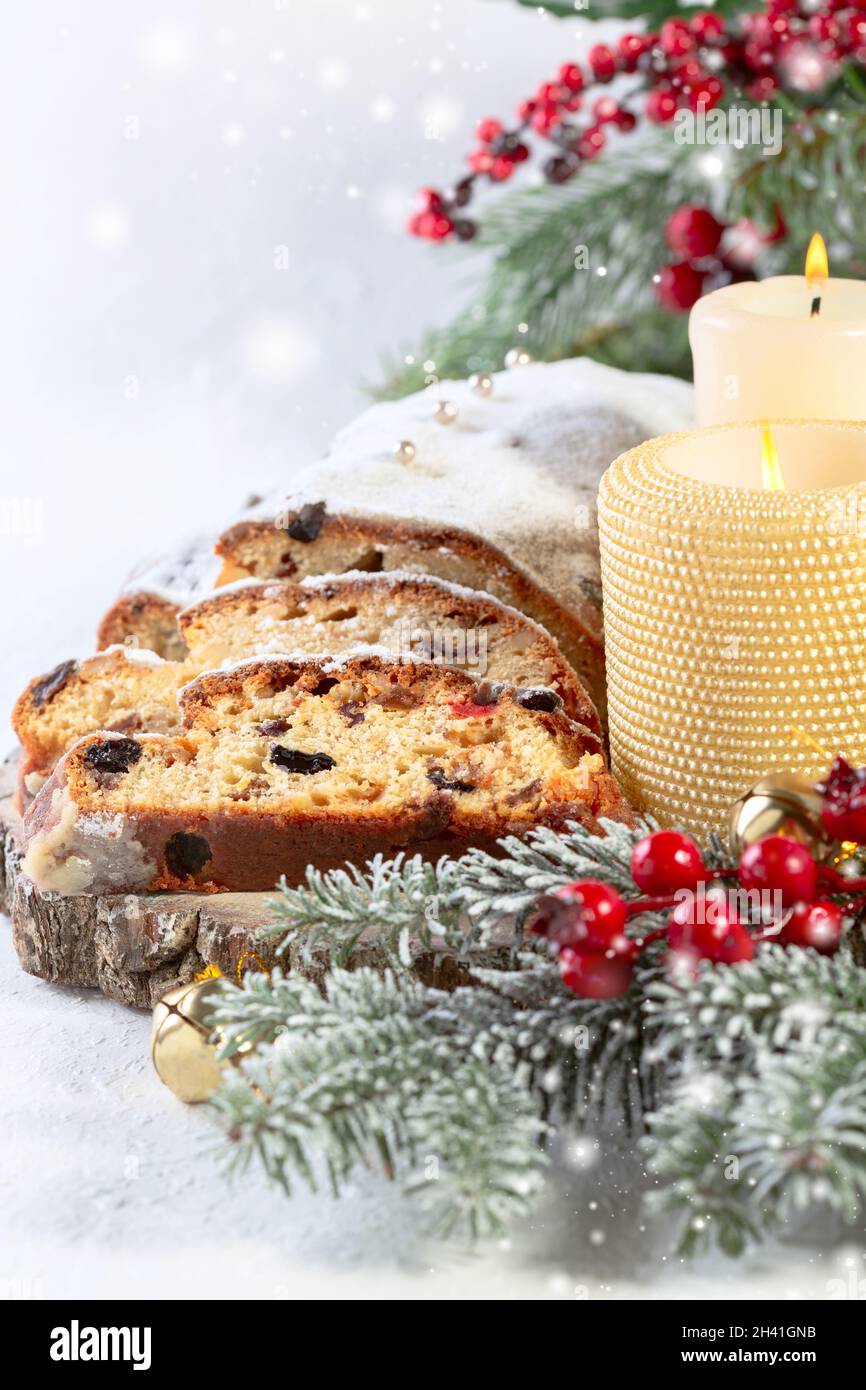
(135, 947)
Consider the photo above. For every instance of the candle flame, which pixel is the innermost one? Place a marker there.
(771, 472)
(817, 264)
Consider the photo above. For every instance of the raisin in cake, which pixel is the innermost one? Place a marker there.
(503, 499)
(282, 763)
(128, 690)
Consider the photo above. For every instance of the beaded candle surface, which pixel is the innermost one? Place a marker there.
(735, 613)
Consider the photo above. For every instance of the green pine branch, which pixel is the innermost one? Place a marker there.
(750, 1080)
(653, 11)
(767, 1112)
(617, 208)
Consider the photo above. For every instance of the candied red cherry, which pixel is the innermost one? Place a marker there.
(666, 861)
(780, 865)
(817, 924)
(594, 975)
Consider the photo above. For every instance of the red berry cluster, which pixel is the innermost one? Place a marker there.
(709, 254)
(686, 65)
(585, 922)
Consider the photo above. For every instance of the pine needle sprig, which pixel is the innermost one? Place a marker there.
(456, 903)
(374, 1071)
(750, 1080)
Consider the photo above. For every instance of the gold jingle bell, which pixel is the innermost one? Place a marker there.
(784, 803)
(181, 1049)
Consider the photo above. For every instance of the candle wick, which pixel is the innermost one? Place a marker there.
(816, 306)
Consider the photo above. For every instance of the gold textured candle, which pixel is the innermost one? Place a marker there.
(735, 615)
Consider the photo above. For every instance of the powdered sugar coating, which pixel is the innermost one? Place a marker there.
(520, 468)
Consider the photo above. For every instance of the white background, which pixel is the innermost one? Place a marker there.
(154, 367)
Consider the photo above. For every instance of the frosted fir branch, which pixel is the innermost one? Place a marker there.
(780, 998)
(491, 888)
(332, 910)
(741, 1155)
(456, 903)
(373, 1072)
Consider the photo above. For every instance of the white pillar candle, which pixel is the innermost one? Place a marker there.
(735, 616)
(760, 351)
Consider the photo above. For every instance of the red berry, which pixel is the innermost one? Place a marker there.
(501, 169)
(844, 809)
(676, 38)
(706, 93)
(605, 109)
(693, 232)
(665, 861)
(571, 76)
(679, 287)
(762, 88)
(721, 938)
(487, 130)
(625, 120)
(823, 28)
(602, 61)
(519, 153)
(591, 142)
(546, 116)
(434, 226)
(817, 924)
(593, 975)
(427, 200)
(631, 49)
(780, 865)
(525, 109)
(661, 105)
(480, 161)
(587, 914)
(707, 28)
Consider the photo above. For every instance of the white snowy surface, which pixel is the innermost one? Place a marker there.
(112, 1189)
(155, 367)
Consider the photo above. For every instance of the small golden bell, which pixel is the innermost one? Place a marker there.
(784, 803)
(183, 1055)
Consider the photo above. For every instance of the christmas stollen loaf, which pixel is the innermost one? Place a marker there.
(130, 690)
(502, 499)
(281, 763)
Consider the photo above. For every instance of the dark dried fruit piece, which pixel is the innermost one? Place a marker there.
(323, 685)
(271, 727)
(524, 793)
(114, 755)
(489, 692)
(448, 784)
(538, 697)
(353, 712)
(186, 854)
(306, 524)
(50, 685)
(293, 760)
